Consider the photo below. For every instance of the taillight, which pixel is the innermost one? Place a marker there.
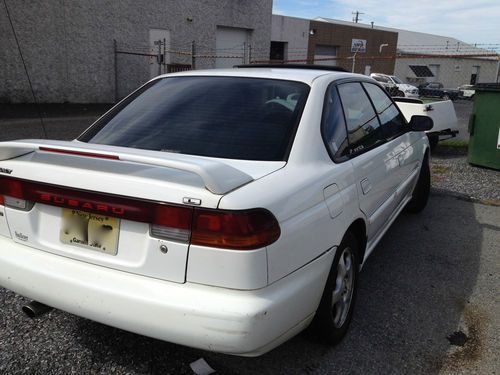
(172, 222)
(238, 230)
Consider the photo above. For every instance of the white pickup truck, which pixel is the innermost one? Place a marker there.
(442, 113)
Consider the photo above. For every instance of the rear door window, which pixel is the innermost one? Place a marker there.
(333, 125)
(363, 128)
(223, 117)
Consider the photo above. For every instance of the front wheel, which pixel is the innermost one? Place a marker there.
(337, 303)
(433, 141)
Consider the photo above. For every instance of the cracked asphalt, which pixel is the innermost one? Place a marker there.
(428, 303)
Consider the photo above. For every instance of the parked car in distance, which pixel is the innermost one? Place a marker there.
(437, 90)
(403, 89)
(466, 91)
(225, 210)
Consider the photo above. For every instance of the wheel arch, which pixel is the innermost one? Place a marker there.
(358, 229)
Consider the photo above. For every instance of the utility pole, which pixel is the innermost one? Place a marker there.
(354, 59)
(355, 17)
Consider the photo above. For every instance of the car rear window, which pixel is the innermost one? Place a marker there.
(223, 117)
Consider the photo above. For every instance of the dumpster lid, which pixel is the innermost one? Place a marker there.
(487, 86)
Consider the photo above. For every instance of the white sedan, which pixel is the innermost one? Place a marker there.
(225, 210)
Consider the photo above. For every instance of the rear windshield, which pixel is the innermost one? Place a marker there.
(223, 117)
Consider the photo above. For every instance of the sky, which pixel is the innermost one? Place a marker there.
(472, 21)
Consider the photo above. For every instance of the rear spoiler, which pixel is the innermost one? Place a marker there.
(218, 178)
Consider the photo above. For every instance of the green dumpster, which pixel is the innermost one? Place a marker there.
(484, 127)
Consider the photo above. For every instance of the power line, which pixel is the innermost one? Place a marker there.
(26, 70)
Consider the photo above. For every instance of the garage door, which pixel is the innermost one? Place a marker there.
(231, 43)
(323, 53)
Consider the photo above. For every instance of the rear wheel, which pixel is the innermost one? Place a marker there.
(337, 303)
(422, 189)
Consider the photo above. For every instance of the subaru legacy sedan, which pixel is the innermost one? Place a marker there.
(225, 210)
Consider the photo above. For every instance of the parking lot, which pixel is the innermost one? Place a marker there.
(428, 300)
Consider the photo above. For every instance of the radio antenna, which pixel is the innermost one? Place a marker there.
(37, 105)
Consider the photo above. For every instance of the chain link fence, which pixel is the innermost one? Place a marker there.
(430, 71)
(451, 68)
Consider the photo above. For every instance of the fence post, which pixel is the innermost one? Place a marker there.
(116, 69)
(164, 54)
(158, 57)
(244, 52)
(193, 57)
(249, 53)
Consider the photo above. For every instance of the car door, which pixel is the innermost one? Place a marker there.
(373, 159)
(399, 140)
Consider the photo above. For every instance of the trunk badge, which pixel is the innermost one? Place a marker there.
(192, 201)
(5, 170)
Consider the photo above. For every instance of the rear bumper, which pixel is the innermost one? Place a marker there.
(217, 319)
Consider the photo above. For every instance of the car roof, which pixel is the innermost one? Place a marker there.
(301, 75)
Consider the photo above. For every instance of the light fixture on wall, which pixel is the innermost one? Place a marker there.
(189, 19)
(312, 32)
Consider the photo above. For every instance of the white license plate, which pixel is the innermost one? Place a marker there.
(96, 232)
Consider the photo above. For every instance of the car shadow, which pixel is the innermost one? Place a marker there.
(414, 292)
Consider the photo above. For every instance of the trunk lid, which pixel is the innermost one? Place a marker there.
(90, 175)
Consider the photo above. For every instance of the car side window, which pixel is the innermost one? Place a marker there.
(333, 127)
(392, 121)
(363, 128)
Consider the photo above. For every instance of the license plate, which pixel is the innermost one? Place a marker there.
(92, 231)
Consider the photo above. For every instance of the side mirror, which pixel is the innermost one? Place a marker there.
(421, 123)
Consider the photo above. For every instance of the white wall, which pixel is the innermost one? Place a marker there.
(451, 72)
(293, 31)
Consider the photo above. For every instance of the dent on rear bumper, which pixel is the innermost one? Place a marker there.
(210, 318)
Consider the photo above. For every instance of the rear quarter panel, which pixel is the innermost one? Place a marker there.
(295, 194)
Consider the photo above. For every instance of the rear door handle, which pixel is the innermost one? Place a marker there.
(366, 185)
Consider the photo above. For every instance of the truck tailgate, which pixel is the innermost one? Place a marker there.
(442, 113)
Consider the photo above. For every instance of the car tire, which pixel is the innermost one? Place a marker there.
(337, 303)
(400, 94)
(445, 97)
(422, 189)
(433, 141)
